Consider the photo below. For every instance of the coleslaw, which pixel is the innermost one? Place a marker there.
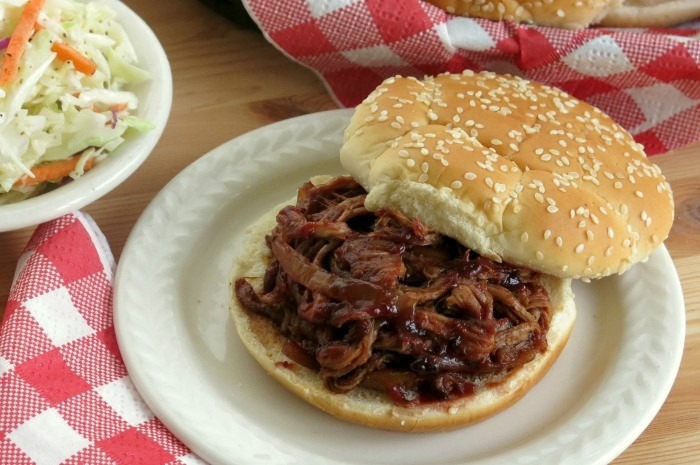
(64, 100)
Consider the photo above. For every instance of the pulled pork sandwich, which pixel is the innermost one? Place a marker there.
(431, 288)
(577, 14)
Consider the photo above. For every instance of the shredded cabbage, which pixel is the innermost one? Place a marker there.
(51, 111)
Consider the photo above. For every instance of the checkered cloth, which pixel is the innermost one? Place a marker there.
(647, 80)
(65, 396)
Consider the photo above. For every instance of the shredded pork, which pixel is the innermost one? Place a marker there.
(378, 300)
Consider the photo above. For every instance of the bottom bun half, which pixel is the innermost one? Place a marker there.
(370, 407)
(651, 13)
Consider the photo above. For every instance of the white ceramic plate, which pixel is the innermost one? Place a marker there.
(185, 358)
(155, 98)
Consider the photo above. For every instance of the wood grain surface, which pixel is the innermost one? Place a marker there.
(228, 80)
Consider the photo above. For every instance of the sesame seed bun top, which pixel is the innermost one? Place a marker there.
(518, 171)
(576, 14)
(569, 14)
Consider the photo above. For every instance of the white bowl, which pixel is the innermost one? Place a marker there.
(155, 99)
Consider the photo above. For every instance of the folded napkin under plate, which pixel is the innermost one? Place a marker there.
(65, 395)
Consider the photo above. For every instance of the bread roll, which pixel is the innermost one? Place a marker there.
(568, 14)
(576, 14)
(519, 171)
(652, 13)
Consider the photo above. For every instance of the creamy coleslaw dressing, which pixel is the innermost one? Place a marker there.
(51, 111)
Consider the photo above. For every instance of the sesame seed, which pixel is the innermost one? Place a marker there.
(410, 163)
(547, 233)
(540, 256)
(579, 248)
(403, 153)
(524, 237)
(559, 241)
(469, 176)
(552, 209)
(639, 194)
(423, 178)
(424, 167)
(589, 234)
(582, 224)
(590, 261)
(456, 184)
(608, 251)
(489, 182)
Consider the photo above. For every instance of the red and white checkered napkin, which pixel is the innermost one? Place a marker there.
(647, 80)
(65, 396)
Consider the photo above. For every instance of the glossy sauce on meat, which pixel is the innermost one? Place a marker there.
(377, 300)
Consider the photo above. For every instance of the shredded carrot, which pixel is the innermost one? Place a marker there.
(53, 171)
(65, 52)
(80, 62)
(18, 41)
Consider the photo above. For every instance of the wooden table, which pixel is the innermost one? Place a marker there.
(228, 80)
